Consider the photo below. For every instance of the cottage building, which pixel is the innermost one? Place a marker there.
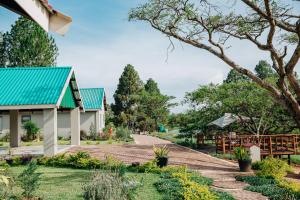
(93, 116)
(39, 94)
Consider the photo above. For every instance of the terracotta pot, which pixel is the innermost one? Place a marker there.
(245, 165)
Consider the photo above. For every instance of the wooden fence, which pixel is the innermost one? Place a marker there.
(284, 144)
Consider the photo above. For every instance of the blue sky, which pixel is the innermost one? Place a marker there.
(101, 42)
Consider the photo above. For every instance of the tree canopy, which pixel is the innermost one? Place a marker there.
(27, 44)
(273, 26)
(264, 70)
(235, 76)
(152, 87)
(130, 85)
(2, 58)
(257, 112)
(138, 106)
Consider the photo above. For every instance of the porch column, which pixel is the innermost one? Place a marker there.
(75, 126)
(50, 131)
(15, 135)
(98, 122)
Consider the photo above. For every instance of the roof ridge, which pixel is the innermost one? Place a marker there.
(35, 68)
(91, 88)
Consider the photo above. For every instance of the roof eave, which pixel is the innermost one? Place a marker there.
(28, 107)
(40, 12)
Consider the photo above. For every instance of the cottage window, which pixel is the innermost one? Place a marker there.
(25, 118)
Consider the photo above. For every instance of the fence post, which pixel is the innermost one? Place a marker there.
(270, 145)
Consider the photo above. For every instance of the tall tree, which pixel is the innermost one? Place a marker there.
(152, 87)
(234, 76)
(130, 85)
(264, 70)
(27, 44)
(2, 55)
(244, 99)
(271, 25)
(153, 109)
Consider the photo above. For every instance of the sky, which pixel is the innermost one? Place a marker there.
(101, 42)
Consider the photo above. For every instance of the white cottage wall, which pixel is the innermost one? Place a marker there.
(63, 121)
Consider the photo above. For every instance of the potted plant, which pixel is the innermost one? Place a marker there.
(161, 155)
(243, 157)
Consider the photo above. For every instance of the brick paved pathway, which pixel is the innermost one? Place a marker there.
(222, 172)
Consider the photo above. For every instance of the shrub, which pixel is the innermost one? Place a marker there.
(123, 133)
(106, 185)
(149, 166)
(201, 179)
(170, 188)
(93, 132)
(178, 183)
(291, 185)
(255, 180)
(80, 160)
(194, 191)
(31, 130)
(223, 195)
(114, 164)
(273, 168)
(5, 138)
(273, 192)
(6, 184)
(256, 165)
(274, 189)
(29, 180)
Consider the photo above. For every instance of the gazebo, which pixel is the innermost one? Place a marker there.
(45, 90)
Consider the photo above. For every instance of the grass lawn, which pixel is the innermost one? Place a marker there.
(65, 183)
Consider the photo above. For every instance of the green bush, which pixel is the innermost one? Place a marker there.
(31, 129)
(178, 183)
(256, 165)
(170, 188)
(200, 179)
(273, 168)
(6, 184)
(92, 132)
(123, 134)
(149, 166)
(107, 185)
(255, 180)
(29, 180)
(274, 192)
(222, 195)
(274, 189)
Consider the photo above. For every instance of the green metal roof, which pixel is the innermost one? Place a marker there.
(68, 100)
(32, 85)
(92, 98)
